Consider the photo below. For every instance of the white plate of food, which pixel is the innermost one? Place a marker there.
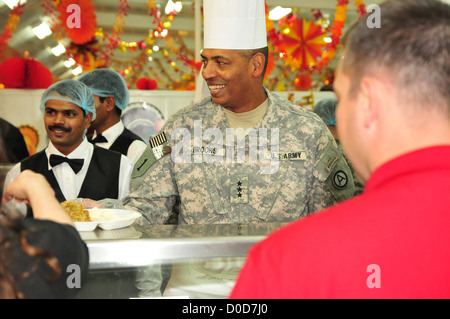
(107, 219)
(85, 226)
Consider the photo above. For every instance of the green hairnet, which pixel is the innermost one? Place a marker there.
(326, 109)
(105, 82)
(70, 91)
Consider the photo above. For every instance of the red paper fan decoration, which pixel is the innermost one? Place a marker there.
(38, 77)
(12, 73)
(302, 43)
(22, 73)
(141, 84)
(146, 84)
(78, 20)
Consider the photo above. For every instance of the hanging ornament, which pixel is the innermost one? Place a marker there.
(287, 41)
(24, 73)
(301, 41)
(146, 84)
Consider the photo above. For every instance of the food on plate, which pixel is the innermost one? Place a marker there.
(107, 219)
(76, 211)
(101, 215)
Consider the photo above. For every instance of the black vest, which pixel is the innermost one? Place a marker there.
(123, 141)
(102, 177)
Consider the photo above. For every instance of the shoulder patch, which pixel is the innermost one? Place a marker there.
(158, 147)
(340, 179)
(331, 163)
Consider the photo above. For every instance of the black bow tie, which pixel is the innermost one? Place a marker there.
(76, 164)
(99, 139)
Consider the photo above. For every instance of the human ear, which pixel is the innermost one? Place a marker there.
(110, 103)
(369, 101)
(88, 120)
(257, 63)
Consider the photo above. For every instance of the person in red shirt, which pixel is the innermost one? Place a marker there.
(393, 240)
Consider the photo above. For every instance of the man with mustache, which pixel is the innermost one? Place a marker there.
(73, 166)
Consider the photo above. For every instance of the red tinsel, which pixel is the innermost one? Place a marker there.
(11, 25)
(195, 66)
(146, 84)
(87, 18)
(22, 73)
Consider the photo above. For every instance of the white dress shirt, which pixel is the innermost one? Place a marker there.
(69, 182)
(111, 134)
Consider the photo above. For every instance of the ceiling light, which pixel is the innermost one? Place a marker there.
(12, 3)
(77, 71)
(173, 6)
(69, 63)
(42, 30)
(58, 50)
(278, 12)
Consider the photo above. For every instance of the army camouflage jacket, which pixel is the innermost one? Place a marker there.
(286, 168)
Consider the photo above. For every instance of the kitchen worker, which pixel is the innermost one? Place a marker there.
(393, 119)
(111, 98)
(243, 154)
(73, 166)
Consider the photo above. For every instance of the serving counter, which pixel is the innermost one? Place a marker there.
(168, 261)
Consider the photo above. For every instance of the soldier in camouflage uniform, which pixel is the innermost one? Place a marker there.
(312, 173)
(195, 165)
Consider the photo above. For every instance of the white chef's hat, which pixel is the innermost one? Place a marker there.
(234, 24)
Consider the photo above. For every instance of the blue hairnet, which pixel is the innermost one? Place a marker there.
(326, 109)
(105, 82)
(71, 91)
